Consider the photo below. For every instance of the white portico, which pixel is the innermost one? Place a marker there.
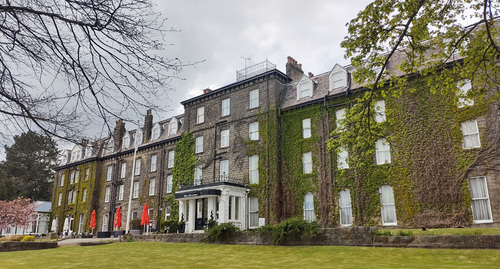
(225, 201)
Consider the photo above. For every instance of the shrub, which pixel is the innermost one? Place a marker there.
(220, 233)
(172, 224)
(135, 224)
(290, 229)
(382, 233)
(28, 238)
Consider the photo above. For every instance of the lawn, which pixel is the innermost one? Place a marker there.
(179, 255)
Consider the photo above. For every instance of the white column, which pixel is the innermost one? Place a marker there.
(223, 206)
(192, 215)
(182, 210)
(212, 211)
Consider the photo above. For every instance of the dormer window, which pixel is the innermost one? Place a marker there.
(110, 145)
(173, 126)
(156, 132)
(126, 141)
(138, 138)
(304, 88)
(338, 78)
(76, 154)
(88, 152)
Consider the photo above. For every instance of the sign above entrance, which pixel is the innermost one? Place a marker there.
(197, 193)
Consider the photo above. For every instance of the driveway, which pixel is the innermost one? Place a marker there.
(75, 241)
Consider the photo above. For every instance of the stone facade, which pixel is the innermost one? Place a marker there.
(285, 177)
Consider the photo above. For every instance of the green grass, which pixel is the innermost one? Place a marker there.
(178, 255)
(441, 231)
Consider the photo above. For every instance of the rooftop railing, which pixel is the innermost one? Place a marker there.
(254, 70)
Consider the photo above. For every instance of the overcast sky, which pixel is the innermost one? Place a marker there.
(222, 32)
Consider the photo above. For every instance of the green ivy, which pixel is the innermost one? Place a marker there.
(183, 171)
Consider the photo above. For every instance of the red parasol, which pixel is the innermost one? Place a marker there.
(118, 218)
(92, 220)
(145, 216)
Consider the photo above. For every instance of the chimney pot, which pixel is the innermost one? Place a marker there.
(310, 74)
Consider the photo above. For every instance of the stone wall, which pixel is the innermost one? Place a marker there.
(355, 236)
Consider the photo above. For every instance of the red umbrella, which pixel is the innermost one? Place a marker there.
(118, 218)
(92, 221)
(145, 216)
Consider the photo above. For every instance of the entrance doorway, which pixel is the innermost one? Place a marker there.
(201, 213)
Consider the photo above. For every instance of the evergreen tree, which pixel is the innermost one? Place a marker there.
(27, 170)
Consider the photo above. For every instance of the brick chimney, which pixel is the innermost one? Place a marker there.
(118, 134)
(207, 90)
(293, 69)
(148, 126)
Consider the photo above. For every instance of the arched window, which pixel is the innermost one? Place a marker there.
(138, 138)
(173, 126)
(156, 132)
(126, 141)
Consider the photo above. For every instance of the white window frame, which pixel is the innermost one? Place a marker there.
(155, 133)
(87, 173)
(169, 183)
(200, 115)
(304, 89)
(84, 195)
(307, 162)
(198, 144)
(123, 171)
(168, 209)
(63, 177)
(342, 158)
(59, 199)
(388, 209)
(224, 138)
(253, 212)
(253, 96)
(308, 208)
(121, 191)
(135, 191)
(109, 174)
(253, 169)
(126, 141)
(152, 186)
(470, 132)
(173, 127)
(110, 146)
(198, 174)
(480, 204)
(107, 194)
(226, 107)
(224, 170)
(306, 128)
(345, 208)
(379, 109)
(339, 118)
(253, 130)
(463, 88)
(138, 138)
(382, 151)
(153, 162)
(171, 159)
(105, 219)
(81, 219)
(338, 79)
(137, 167)
(72, 177)
(77, 175)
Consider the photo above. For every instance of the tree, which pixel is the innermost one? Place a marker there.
(426, 36)
(63, 62)
(16, 213)
(414, 55)
(28, 164)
